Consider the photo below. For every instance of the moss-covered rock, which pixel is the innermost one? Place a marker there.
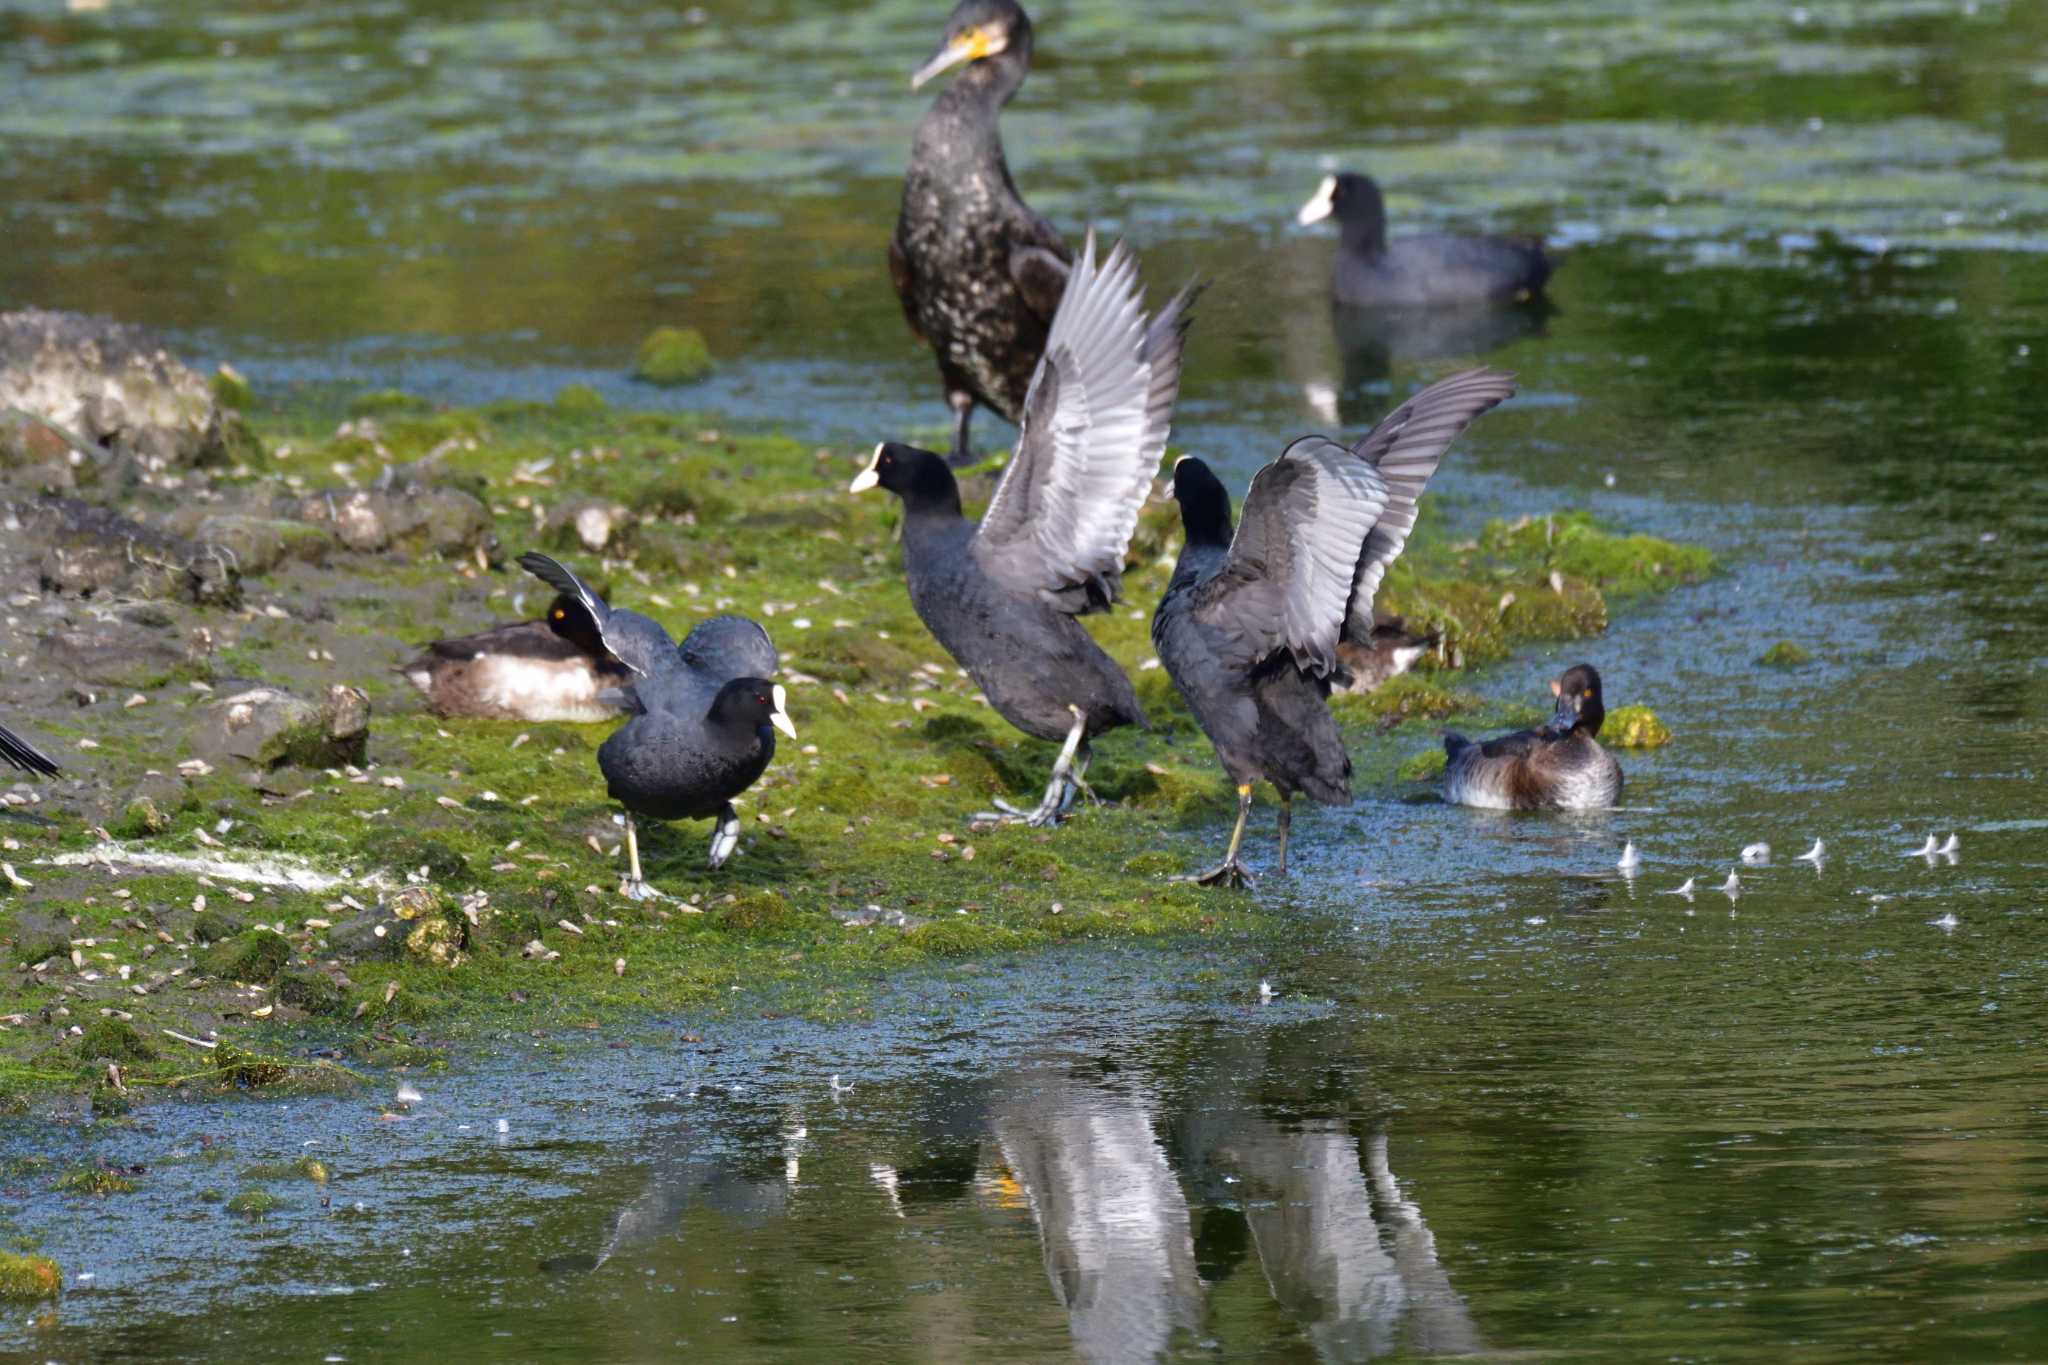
(255, 956)
(26, 1278)
(1635, 727)
(94, 1180)
(579, 400)
(1785, 654)
(252, 1204)
(673, 355)
(213, 924)
(313, 991)
(115, 1040)
(1425, 766)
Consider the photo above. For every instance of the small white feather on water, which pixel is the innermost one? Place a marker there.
(1926, 850)
(1952, 847)
(1684, 890)
(408, 1094)
(1757, 854)
(1630, 859)
(1947, 923)
(1733, 886)
(1815, 854)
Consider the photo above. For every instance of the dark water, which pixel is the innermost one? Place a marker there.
(1503, 1099)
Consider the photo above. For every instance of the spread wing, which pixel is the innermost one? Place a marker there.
(726, 647)
(1404, 449)
(19, 753)
(634, 640)
(1095, 425)
(1287, 580)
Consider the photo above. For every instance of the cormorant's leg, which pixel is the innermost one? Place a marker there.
(1059, 792)
(725, 836)
(635, 887)
(962, 404)
(1286, 822)
(1231, 872)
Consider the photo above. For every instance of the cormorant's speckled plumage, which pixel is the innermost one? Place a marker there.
(1559, 766)
(1254, 624)
(978, 272)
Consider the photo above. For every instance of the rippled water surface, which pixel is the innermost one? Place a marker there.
(1501, 1099)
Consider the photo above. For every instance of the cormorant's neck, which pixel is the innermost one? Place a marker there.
(985, 86)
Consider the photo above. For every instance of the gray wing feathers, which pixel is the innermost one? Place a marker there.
(1405, 449)
(1288, 579)
(634, 640)
(727, 647)
(1095, 425)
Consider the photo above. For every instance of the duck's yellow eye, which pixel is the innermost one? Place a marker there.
(1587, 694)
(560, 614)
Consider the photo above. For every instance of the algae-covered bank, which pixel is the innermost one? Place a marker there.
(264, 839)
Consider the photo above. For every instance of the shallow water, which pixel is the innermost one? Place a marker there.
(1502, 1099)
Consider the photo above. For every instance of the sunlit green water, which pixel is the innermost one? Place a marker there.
(1502, 1099)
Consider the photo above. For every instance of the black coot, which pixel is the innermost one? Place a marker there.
(1251, 625)
(704, 717)
(1002, 596)
(978, 272)
(1419, 271)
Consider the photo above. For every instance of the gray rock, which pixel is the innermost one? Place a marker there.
(260, 544)
(94, 552)
(111, 385)
(585, 523)
(268, 727)
(367, 936)
(122, 653)
(424, 521)
(37, 937)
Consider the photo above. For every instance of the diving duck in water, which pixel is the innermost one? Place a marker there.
(1253, 624)
(1002, 596)
(979, 273)
(1559, 766)
(17, 752)
(704, 717)
(1419, 271)
(555, 668)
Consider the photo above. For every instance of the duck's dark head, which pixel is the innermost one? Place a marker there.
(1355, 202)
(752, 705)
(992, 36)
(919, 477)
(572, 621)
(1579, 705)
(1204, 502)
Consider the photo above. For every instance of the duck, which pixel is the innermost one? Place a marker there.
(1388, 651)
(702, 717)
(17, 752)
(1001, 596)
(1558, 766)
(552, 669)
(978, 271)
(1253, 620)
(1421, 271)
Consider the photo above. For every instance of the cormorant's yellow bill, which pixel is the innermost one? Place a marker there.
(970, 46)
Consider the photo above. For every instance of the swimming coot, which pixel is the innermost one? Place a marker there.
(1419, 271)
(978, 272)
(704, 716)
(1252, 624)
(1002, 596)
(555, 668)
(17, 752)
(1559, 766)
